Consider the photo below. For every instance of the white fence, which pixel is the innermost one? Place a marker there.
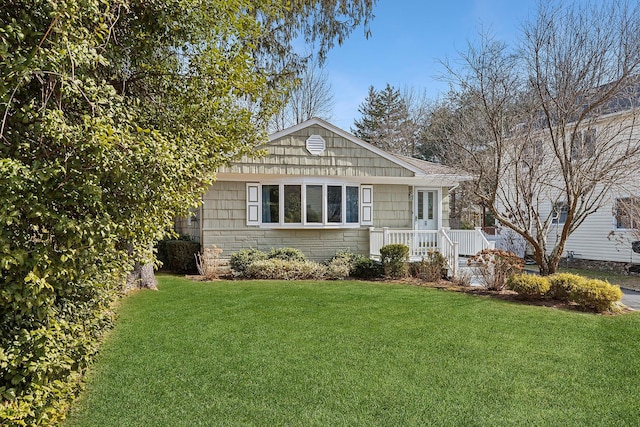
(450, 243)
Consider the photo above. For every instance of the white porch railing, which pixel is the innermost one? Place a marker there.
(450, 243)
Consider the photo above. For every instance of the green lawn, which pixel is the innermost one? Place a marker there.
(357, 354)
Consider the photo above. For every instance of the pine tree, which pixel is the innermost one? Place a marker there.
(385, 121)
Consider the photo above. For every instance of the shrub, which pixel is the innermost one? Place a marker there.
(287, 254)
(530, 286)
(181, 255)
(395, 259)
(241, 260)
(339, 267)
(366, 268)
(161, 249)
(432, 268)
(495, 266)
(595, 294)
(280, 269)
(561, 285)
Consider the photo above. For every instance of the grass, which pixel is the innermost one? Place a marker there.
(357, 353)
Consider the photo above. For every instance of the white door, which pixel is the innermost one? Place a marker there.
(426, 209)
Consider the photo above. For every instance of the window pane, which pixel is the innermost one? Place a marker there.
(314, 203)
(292, 204)
(626, 209)
(352, 204)
(334, 203)
(420, 205)
(270, 203)
(430, 205)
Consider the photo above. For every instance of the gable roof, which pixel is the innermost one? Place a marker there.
(352, 138)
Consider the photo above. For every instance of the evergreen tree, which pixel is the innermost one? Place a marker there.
(386, 121)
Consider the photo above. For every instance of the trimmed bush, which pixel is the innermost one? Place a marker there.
(366, 268)
(181, 255)
(530, 286)
(432, 268)
(161, 249)
(241, 260)
(287, 254)
(395, 260)
(285, 270)
(595, 294)
(561, 285)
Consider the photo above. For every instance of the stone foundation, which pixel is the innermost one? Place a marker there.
(610, 266)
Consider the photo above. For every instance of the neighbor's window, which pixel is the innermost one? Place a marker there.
(626, 210)
(559, 213)
(308, 204)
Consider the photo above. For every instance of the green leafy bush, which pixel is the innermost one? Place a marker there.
(366, 268)
(161, 249)
(495, 266)
(280, 269)
(395, 258)
(562, 284)
(181, 255)
(595, 294)
(287, 254)
(241, 260)
(431, 268)
(530, 286)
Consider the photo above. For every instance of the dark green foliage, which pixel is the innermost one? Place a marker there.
(161, 250)
(431, 268)
(395, 259)
(366, 268)
(241, 260)
(287, 254)
(181, 256)
(386, 121)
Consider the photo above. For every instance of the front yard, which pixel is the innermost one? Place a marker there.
(357, 353)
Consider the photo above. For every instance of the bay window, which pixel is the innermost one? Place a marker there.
(309, 205)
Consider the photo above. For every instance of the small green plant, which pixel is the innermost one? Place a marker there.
(395, 259)
(495, 266)
(595, 294)
(287, 254)
(366, 268)
(562, 284)
(431, 268)
(530, 286)
(241, 260)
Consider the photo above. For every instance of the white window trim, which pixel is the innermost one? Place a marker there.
(256, 188)
(614, 217)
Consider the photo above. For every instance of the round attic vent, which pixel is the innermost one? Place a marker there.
(315, 144)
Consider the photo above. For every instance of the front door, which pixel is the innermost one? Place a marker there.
(426, 209)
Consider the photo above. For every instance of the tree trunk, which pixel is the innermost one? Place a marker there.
(141, 277)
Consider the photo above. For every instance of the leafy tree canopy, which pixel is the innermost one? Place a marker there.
(114, 116)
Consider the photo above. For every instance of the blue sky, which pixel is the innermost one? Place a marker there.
(408, 39)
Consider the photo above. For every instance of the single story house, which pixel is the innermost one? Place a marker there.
(321, 190)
